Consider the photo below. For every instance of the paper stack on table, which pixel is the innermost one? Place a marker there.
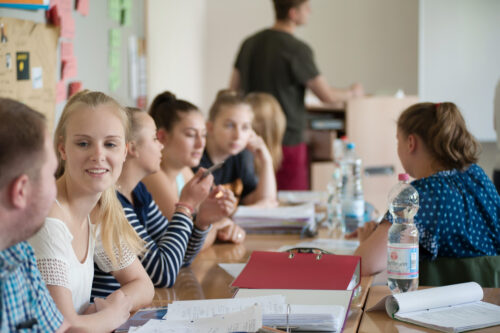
(282, 219)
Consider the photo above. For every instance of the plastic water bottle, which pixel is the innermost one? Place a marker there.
(402, 246)
(353, 202)
(334, 208)
(339, 149)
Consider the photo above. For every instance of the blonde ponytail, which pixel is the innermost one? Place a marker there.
(116, 231)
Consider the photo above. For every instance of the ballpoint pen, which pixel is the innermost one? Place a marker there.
(213, 168)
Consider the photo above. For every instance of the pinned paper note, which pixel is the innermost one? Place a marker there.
(115, 38)
(67, 26)
(126, 13)
(114, 10)
(74, 87)
(66, 51)
(37, 79)
(23, 65)
(69, 69)
(61, 92)
(82, 6)
(53, 16)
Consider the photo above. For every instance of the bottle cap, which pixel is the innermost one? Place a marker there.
(403, 177)
(350, 146)
(343, 138)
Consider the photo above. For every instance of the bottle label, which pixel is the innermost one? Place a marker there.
(402, 261)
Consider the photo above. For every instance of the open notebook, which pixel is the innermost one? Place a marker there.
(453, 308)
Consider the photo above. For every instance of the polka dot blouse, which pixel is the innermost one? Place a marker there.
(459, 214)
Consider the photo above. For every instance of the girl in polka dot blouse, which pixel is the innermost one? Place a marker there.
(459, 213)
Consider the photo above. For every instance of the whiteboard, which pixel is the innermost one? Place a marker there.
(459, 58)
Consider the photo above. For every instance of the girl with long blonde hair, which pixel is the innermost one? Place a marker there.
(86, 224)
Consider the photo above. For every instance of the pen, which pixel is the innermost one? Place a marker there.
(212, 169)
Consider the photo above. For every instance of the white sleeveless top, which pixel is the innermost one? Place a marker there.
(59, 265)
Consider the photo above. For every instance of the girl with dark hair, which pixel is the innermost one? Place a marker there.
(459, 210)
(181, 131)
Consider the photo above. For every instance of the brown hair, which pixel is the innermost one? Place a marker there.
(135, 125)
(225, 98)
(443, 130)
(116, 232)
(22, 139)
(282, 7)
(166, 110)
(269, 122)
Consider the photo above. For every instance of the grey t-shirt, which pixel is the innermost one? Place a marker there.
(277, 63)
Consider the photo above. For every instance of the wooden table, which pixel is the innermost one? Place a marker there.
(204, 279)
(379, 321)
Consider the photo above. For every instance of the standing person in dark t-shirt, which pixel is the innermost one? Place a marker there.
(276, 62)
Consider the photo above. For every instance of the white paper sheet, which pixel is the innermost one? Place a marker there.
(337, 246)
(191, 310)
(232, 269)
(247, 320)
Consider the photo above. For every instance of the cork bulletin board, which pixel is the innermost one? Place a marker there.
(27, 64)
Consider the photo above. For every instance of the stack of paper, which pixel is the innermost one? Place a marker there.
(299, 197)
(275, 312)
(282, 219)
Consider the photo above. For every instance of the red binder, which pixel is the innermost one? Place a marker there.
(280, 270)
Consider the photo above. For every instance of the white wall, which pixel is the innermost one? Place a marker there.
(176, 37)
(229, 22)
(460, 58)
(372, 42)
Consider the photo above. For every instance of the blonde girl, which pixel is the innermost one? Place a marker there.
(86, 223)
(170, 244)
(231, 139)
(269, 123)
(459, 206)
(181, 131)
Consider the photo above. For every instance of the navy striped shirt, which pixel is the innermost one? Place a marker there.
(169, 245)
(25, 301)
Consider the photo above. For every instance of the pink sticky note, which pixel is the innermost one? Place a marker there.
(65, 6)
(66, 51)
(61, 92)
(68, 69)
(67, 25)
(74, 87)
(83, 7)
(52, 16)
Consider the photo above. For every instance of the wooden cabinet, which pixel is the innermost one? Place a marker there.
(370, 123)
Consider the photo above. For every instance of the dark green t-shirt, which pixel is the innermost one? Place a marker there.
(277, 63)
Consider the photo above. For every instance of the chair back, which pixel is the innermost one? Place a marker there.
(444, 271)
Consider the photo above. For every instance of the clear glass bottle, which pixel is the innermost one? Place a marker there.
(402, 244)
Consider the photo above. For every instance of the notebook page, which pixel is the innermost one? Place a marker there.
(247, 320)
(456, 318)
(190, 310)
(434, 298)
